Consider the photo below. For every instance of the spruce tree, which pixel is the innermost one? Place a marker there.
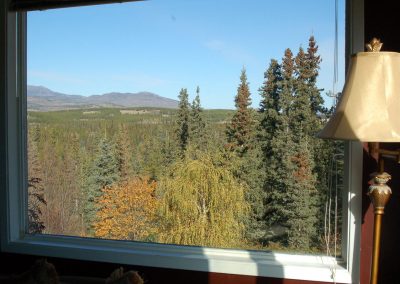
(241, 138)
(313, 61)
(103, 172)
(307, 65)
(301, 118)
(182, 128)
(302, 204)
(269, 122)
(290, 181)
(241, 130)
(197, 124)
(276, 138)
(308, 103)
(269, 109)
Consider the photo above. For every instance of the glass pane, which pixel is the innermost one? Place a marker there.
(187, 122)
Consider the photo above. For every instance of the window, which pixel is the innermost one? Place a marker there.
(250, 262)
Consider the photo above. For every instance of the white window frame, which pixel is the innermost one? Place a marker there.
(13, 198)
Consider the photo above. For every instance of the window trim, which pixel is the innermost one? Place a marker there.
(255, 263)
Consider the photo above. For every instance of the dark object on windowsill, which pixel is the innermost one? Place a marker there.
(43, 272)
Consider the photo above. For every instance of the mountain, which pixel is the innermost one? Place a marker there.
(43, 99)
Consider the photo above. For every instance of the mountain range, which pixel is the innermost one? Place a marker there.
(43, 99)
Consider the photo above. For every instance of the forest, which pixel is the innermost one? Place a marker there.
(249, 178)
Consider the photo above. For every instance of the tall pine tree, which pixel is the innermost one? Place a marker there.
(241, 137)
(290, 181)
(241, 130)
(182, 129)
(276, 138)
(197, 124)
(269, 106)
(103, 172)
(302, 199)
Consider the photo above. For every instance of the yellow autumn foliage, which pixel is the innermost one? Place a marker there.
(202, 204)
(127, 211)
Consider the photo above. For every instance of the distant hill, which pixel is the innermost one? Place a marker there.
(43, 99)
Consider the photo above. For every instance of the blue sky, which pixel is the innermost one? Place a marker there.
(162, 46)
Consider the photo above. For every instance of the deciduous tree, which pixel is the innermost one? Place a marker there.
(127, 211)
(201, 203)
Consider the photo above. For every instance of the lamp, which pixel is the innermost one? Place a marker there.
(368, 111)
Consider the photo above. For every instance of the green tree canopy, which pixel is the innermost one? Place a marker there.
(103, 172)
(197, 123)
(286, 123)
(36, 197)
(182, 128)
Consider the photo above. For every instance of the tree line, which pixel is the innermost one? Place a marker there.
(259, 179)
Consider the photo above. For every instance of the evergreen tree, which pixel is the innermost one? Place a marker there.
(153, 164)
(287, 88)
(270, 124)
(241, 130)
(308, 103)
(302, 117)
(269, 106)
(313, 61)
(182, 130)
(290, 181)
(302, 204)
(249, 171)
(197, 124)
(307, 65)
(241, 138)
(103, 172)
(277, 146)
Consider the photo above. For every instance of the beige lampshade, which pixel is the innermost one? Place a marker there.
(369, 108)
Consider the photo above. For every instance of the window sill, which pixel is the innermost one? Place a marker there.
(229, 261)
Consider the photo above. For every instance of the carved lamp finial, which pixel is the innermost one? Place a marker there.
(374, 45)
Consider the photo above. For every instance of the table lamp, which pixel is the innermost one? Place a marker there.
(369, 111)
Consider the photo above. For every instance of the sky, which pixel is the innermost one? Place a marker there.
(162, 46)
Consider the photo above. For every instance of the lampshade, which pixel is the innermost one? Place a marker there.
(369, 108)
